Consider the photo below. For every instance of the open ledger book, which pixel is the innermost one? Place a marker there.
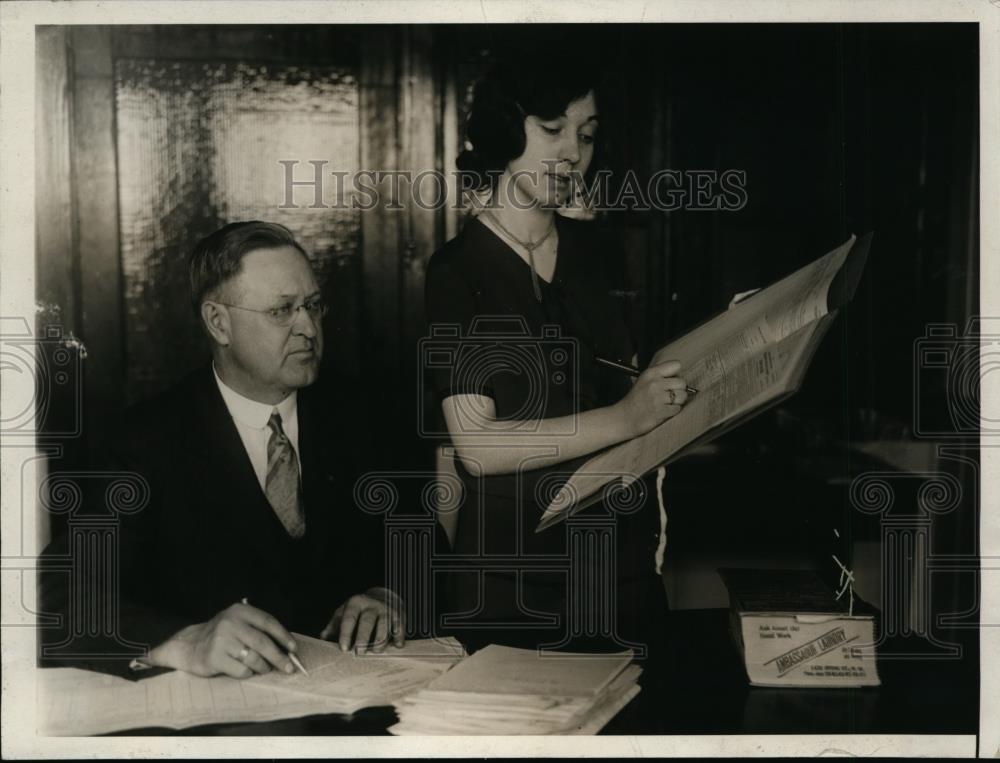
(741, 362)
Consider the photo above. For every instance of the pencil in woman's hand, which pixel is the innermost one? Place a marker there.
(625, 368)
(630, 370)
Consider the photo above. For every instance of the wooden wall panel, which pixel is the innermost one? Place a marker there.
(400, 130)
(380, 228)
(94, 169)
(381, 233)
(420, 120)
(452, 130)
(55, 261)
(282, 43)
(420, 117)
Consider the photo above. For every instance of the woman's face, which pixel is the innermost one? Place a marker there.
(553, 149)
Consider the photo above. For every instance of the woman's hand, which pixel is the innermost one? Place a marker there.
(656, 396)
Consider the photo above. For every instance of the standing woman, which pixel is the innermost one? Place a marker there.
(519, 428)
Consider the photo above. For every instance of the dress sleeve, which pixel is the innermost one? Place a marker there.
(450, 354)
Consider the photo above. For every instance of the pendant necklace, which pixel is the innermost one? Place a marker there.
(530, 246)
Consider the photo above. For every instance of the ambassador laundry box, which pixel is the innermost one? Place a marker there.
(792, 631)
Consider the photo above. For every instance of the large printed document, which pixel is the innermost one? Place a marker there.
(75, 702)
(742, 361)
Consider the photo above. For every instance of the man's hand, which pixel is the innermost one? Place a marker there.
(238, 642)
(378, 612)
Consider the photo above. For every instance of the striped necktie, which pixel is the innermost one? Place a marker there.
(282, 486)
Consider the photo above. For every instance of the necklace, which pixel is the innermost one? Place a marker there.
(530, 246)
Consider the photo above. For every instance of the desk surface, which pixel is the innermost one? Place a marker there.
(699, 687)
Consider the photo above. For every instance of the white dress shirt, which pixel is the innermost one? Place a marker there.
(251, 420)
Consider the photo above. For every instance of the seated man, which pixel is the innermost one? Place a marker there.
(250, 531)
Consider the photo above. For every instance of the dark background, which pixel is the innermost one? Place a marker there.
(840, 129)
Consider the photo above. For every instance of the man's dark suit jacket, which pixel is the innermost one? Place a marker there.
(208, 537)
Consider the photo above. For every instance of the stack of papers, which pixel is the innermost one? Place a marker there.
(75, 702)
(501, 690)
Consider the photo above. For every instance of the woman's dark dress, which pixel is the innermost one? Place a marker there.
(480, 300)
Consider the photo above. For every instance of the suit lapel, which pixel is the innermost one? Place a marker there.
(240, 502)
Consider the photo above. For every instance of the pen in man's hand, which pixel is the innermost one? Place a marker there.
(298, 663)
(630, 370)
(291, 655)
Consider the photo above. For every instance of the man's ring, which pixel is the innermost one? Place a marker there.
(672, 398)
(244, 653)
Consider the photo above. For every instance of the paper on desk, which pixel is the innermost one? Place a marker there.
(621, 691)
(75, 702)
(363, 680)
(514, 691)
(505, 670)
(79, 702)
(564, 715)
(436, 650)
(319, 656)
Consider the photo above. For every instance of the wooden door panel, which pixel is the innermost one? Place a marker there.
(200, 144)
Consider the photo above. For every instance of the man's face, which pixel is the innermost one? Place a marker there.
(269, 360)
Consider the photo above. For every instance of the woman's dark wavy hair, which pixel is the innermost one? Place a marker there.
(540, 83)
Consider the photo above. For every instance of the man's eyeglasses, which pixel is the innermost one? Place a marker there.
(284, 315)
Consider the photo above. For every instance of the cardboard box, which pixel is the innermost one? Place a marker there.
(792, 631)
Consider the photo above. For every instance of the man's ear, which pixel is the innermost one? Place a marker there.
(216, 320)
